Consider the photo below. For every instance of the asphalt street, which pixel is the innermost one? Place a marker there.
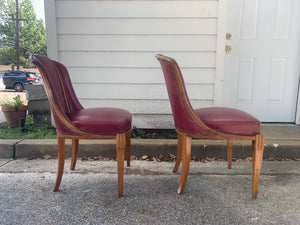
(88, 195)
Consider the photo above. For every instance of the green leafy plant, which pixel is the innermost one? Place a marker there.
(17, 102)
(32, 132)
(29, 120)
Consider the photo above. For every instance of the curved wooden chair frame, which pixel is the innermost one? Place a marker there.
(123, 140)
(184, 139)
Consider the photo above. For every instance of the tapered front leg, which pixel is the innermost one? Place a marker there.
(75, 143)
(186, 143)
(61, 161)
(257, 148)
(121, 142)
(128, 146)
(179, 152)
(229, 153)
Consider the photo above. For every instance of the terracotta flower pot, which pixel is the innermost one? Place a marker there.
(14, 114)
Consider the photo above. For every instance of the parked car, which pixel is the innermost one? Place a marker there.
(17, 79)
(2, 86)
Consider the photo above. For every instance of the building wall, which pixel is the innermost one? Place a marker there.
(109, 48)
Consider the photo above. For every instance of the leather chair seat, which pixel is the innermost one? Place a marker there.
(105, 121)
(229, 120)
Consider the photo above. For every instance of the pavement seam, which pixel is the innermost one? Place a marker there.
(14, 148)
(4, 163)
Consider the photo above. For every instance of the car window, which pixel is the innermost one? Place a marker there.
(20, 74)
(10, 74)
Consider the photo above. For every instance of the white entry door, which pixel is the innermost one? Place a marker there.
(262, 69)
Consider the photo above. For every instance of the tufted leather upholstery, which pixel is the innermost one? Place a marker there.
(104, 121)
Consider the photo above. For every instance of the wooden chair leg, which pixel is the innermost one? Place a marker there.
(74, 153)
(128, 146)
(61, 161)
(121, 142)
(229, 153)
(186, 143)
(179, 152)
(257, 151)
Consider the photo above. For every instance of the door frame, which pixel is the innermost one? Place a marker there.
(220, 60)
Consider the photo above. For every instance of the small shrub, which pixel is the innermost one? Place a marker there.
(29, 120)
(17, 102)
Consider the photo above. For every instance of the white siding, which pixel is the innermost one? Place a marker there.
(109, 49)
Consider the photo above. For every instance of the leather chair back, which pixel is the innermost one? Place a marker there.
(59, 90)
(180, 104)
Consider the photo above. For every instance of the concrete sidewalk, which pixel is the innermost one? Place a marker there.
(281, 141)
(88, 195)
(2, 119)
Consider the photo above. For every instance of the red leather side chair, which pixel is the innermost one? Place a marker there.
(216, 123)
(74, 122)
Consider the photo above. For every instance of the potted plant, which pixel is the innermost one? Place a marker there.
(14, 111)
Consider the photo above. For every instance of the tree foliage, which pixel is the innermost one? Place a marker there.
(32, 33)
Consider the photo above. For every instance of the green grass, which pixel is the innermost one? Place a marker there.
(47, 132)
(31, 132)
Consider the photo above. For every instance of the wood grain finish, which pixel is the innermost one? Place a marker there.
(229, 153)
(75, 143)
(61, 161)
(184, 138)
(186, 144)
(179, 152)
(121, 142)
(122, 139)
(128, 147)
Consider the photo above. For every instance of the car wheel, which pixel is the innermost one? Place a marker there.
(18, 87)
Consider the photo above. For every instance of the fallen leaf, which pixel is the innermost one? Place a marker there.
(198, 174)
(133, 157)
(47, 157)
(144, 157)
(31, 158)
(172, 156)
(161, 157)
(248, 159)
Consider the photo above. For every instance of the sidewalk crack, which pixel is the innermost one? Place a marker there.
(1, 165)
